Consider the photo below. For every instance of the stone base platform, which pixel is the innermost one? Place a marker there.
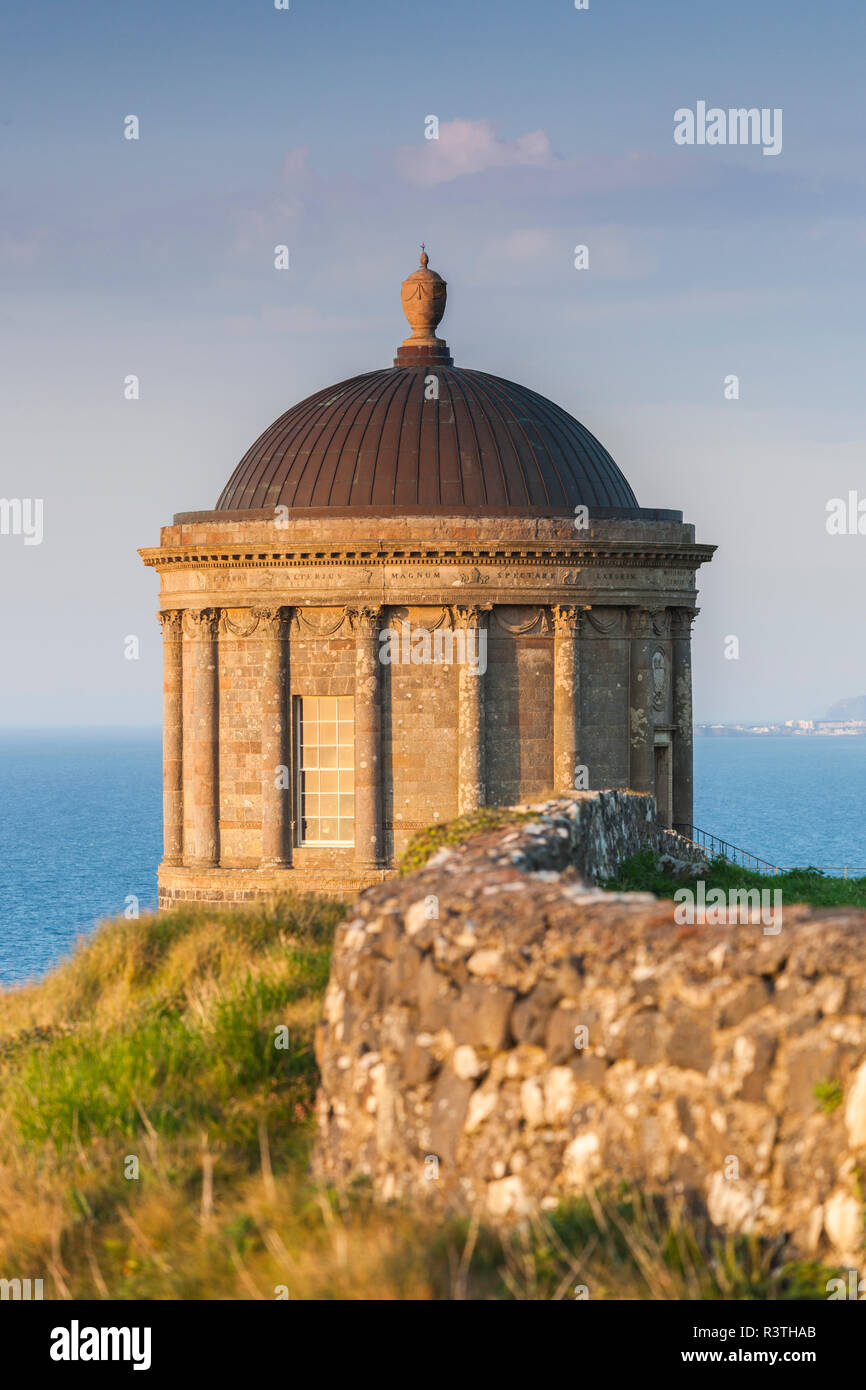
(230, 888)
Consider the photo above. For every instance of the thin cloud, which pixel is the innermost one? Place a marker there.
(470, 147)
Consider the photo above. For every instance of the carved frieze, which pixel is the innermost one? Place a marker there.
(238, 622)
(322, 622)
(430, 618)
(521, 620)
(607, 622)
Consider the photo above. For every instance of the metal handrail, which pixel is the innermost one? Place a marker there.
(717, 848)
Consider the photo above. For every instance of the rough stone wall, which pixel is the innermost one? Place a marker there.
(498, 1034)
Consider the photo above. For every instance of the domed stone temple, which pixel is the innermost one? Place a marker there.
(422, 591)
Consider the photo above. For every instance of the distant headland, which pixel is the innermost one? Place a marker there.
(845, 718)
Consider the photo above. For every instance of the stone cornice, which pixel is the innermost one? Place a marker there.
(362, 556)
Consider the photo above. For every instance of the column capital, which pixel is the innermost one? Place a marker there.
(271, 622)
(364, 619)
(640, 622)
(681, 621)
(171, 622)
(565, 619)
(201, 622)
(470, 615)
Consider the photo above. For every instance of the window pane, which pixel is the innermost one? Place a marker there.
(325, 769)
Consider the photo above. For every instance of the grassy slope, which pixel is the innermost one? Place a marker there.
(639, 874)
(156, 1042)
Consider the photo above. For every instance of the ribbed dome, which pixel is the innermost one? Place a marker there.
(376, 443)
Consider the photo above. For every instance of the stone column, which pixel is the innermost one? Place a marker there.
(683, 751)
(201, 741)
(566, 695)
(171, 623)
(640, 718)
(368, 737)
(276, 778)
(471, 622)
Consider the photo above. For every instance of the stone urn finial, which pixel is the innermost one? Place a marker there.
(423, 295)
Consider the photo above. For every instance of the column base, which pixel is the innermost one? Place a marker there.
(217, 887)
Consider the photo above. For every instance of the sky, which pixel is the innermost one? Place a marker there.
(306, 127)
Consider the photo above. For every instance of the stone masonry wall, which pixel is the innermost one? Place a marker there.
(498, 1034)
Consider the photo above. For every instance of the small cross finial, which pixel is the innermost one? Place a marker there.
(424, 257)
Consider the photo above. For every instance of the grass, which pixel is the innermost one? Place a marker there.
(640, 874)
(425, 843)
(155, 1139)
(829, 1095)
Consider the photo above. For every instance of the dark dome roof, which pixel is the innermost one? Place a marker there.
(376, 443)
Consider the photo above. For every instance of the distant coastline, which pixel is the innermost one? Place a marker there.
(798, 728)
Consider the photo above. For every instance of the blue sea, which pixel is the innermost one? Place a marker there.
(81, 833)
(80, 836)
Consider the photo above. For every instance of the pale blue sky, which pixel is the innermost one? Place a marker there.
(307, 127)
